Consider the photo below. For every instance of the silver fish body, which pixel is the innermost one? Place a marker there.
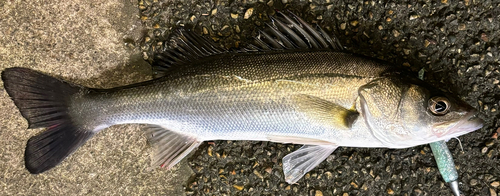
(295, 86)
(241, 98)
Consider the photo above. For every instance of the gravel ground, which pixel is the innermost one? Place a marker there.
(102, 45)
(456, 43)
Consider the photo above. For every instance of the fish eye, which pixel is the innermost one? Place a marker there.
(439, 105)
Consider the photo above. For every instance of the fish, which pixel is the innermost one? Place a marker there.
(293, 84)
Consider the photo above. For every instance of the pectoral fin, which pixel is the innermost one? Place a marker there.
(169, 147)
(303, 160)
(325, 112)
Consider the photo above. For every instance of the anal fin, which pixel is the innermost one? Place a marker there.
(169, 147)
(303, 160)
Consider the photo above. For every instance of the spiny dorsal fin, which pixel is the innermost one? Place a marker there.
(185, 47)
(282, 33)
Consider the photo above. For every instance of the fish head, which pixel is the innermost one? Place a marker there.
(403, 113)
(450, 117)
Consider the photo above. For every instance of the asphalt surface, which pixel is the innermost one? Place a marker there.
(103, 44)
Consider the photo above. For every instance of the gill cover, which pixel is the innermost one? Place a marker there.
(395, 113)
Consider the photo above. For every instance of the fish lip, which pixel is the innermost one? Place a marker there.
(466, 124)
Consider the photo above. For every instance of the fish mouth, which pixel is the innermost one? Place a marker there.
(466, 124)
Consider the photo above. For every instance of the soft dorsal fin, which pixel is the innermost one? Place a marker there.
(283, 32)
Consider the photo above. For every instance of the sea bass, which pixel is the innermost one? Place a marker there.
(293, 85)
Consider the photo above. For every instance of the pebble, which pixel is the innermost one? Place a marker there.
(257, 173)
(238, 187)
(396, 33)
(364, 186)
(225, 31)
(390, 191)
(426, 43)
(354, 23)
(484, 37)
(209, 151)
(328, 175)
(473, 182)
(318, 193)
(270, 3)
(248, 13)
(484, 150)
(462, 27)
(234, 16)
(495, 184)
(413, 17)
(312, 6)
(342, 26)
(407, 51)
(493, 192)
(353, 184)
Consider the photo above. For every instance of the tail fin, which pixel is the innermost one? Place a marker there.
(43, 101)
